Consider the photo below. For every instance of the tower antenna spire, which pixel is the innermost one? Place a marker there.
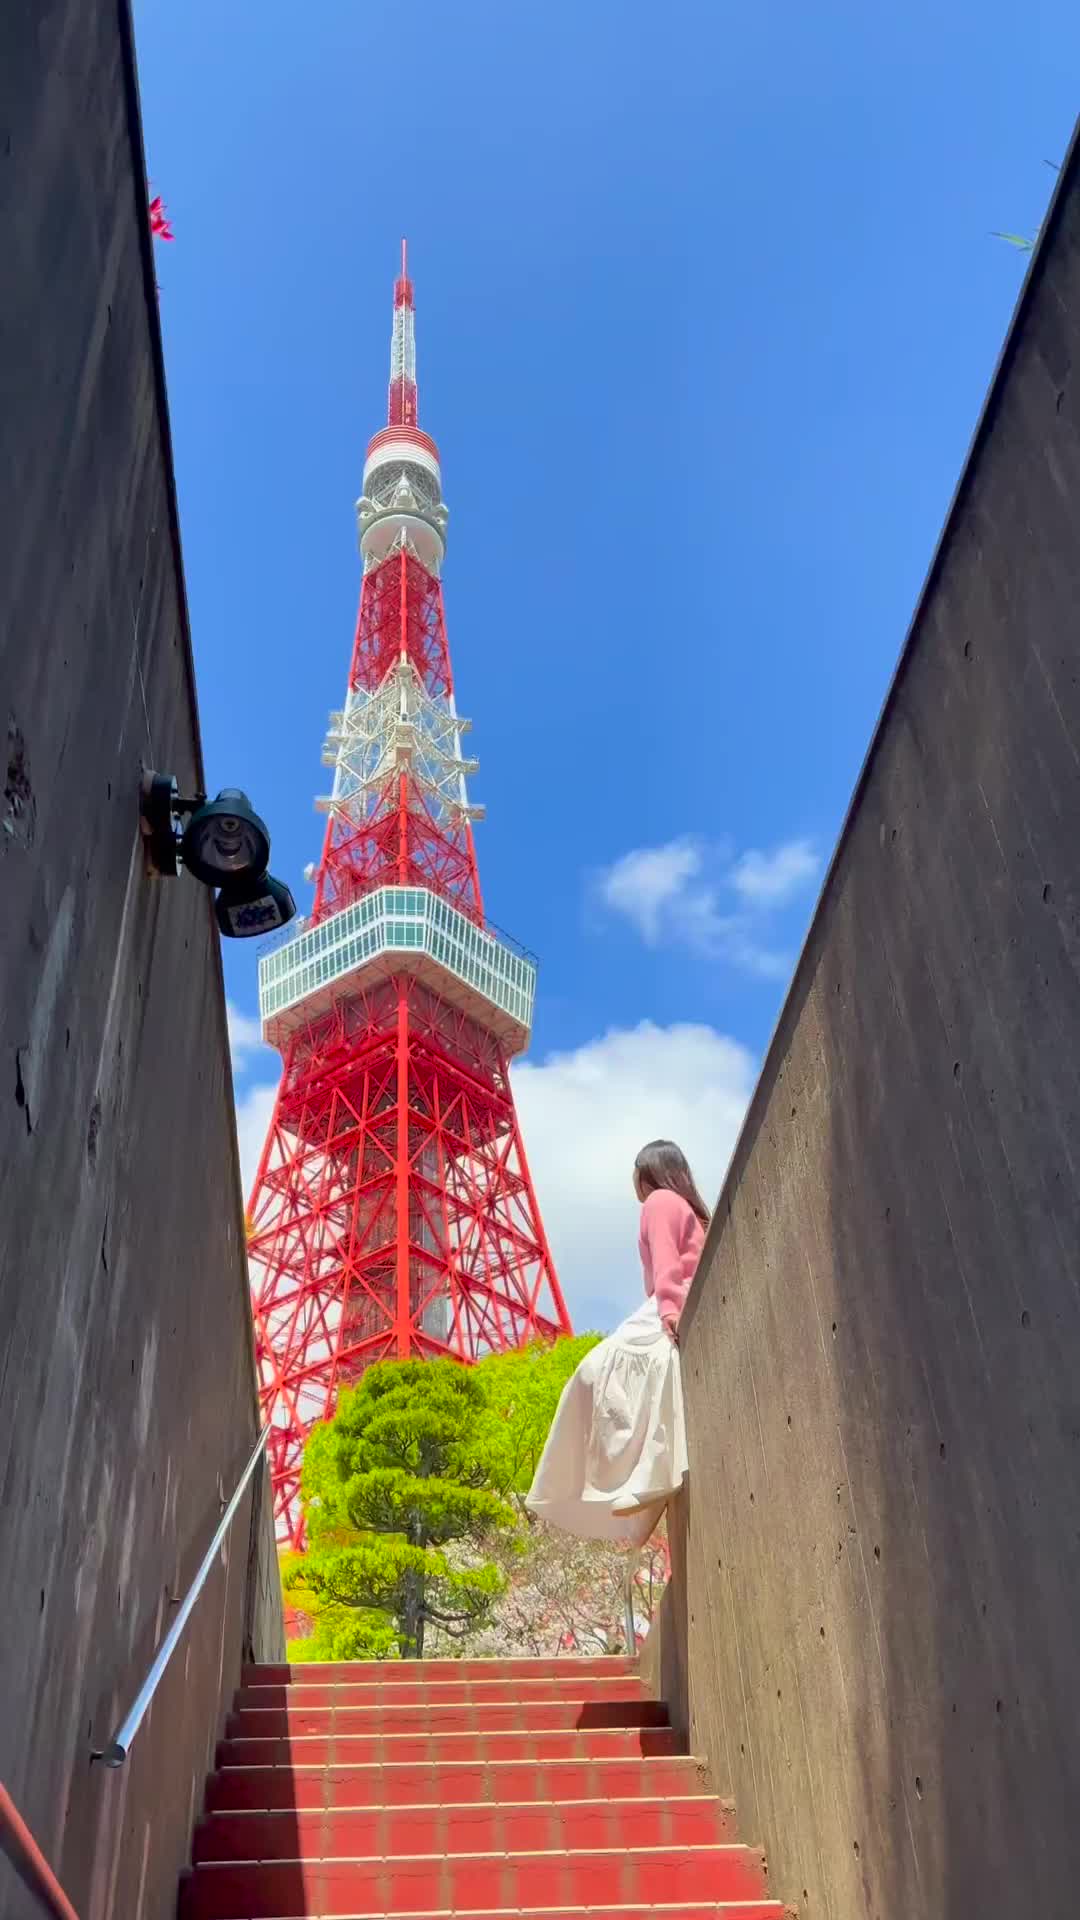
(403, 409)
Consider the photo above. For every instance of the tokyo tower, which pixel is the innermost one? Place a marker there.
(393, 1213)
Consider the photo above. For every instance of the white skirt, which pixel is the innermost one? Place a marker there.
(617, 1448)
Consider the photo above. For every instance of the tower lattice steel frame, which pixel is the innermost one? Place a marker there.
(393, 1212)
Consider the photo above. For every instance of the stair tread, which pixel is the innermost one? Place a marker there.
(405, 1834)
(683, 1760)
(701, 1874)
(435, 1713)
(524, 1694)
(532, 1853)
(321, 1677)
(399, 1749)
(488, 1806)
(458, 1782)
(479, 1882)
(484, 1717)
(725, 1910)
(417, 1748)
(410, 1670)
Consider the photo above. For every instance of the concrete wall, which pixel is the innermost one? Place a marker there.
(874, 1636)
(126, 1373)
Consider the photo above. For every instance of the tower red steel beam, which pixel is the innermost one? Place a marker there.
(393, 1212)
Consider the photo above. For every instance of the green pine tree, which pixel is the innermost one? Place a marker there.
(402, 1472)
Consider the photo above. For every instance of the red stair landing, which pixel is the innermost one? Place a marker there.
(444, 1787)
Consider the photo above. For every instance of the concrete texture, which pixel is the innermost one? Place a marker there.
(873, 1639)
(264, 1616)
(127, 1395)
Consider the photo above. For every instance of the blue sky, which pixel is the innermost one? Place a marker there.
(707, 305)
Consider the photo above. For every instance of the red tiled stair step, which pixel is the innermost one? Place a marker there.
(764, 1909)
(409, 1672)
(711, 1910)
(313, 1691)
(546, 1716)
(473, 1884)
(452, 1783)
(341, 1748)
(408, 1833)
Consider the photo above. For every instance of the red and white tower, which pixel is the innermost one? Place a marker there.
(393, 1212)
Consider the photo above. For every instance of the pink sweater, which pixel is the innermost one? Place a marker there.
(670, 1244)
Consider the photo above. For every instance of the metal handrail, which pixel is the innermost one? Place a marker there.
(117, 1750)
(17, 1841)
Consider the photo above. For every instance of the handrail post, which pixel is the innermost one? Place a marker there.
(116, 1752)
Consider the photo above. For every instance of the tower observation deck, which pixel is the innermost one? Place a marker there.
(393, 1213)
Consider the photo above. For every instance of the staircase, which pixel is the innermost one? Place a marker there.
(439, 1787)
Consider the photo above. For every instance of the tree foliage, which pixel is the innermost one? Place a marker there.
(521, 1393)
(399, 1474)
(321, 1628)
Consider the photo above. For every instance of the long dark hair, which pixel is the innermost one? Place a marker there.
(663, 1164)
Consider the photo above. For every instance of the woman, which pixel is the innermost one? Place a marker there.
(617, 1447)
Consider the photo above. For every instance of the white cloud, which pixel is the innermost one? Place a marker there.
(771, 879)
(643, 882)
(253, 1111)
(245, 1037)
(255, 1104)
(687, 893)
(584, 1116)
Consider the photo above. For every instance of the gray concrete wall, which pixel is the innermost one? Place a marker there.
(126, 1372)
(264, 1618)
(874, 1639)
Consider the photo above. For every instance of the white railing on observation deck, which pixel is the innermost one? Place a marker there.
(392, 921)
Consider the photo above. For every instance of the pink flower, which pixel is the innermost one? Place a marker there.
(159, 219)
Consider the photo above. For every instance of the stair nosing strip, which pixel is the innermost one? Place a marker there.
(458, 1733)
(417, 1706)
(768, 1905)
(392, 1686)
(484, 1853)
(381, 1766)
(470, 1806)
